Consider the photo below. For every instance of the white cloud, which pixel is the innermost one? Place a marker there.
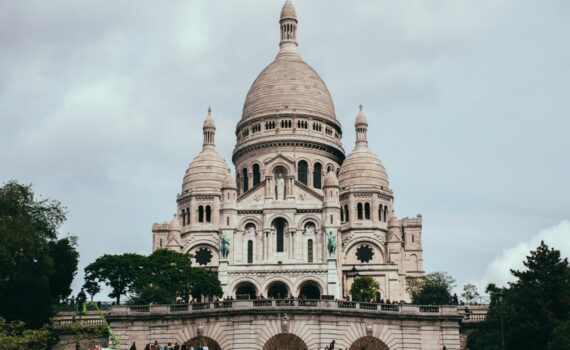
(498, 271)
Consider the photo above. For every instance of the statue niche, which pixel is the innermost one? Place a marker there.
(280, 175)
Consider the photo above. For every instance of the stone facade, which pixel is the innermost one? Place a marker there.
(300, 217)
(291, 325)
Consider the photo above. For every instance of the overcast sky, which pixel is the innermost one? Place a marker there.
(101, 107)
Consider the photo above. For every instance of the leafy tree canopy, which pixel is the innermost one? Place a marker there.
(120, 272)
(36, 269)
(531, 311)
(159, 278)
(14, 335)
(364, 288)
(434, 289)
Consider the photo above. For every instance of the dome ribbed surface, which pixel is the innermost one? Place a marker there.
(206, 172)
(288, 83)
(362, 169)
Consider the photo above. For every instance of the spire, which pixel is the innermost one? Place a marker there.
(361, 125)
(288, 24)
(209, 130)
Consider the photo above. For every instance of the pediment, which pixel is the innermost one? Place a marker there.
(255, 195)
(278, 157)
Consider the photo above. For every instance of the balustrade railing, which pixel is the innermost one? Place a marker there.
(139, 309)
(178, 307)
(309, 303)
(430, 309)
(476, 315)
(390, 307)
(262, 303)
(200, 306)
(347, 304)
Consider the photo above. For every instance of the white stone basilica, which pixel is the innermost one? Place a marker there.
(300, 217)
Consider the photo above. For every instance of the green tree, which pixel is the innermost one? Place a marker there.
(526, 313)
(560, 339)
(363, 288)
(470, 292)
(14, 335)
(434, 289)
(205, 283)
(65, 259)
(166, 274)
(91, 287)
(29, 255)
(120, 272)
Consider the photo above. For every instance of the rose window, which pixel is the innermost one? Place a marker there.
(364, 253)
(203, 256)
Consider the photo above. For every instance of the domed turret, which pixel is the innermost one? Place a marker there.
(362, 168)
(174, 224)
(208, 170)
(331, 180)
(230, 182)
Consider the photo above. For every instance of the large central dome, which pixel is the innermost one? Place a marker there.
(288, 83)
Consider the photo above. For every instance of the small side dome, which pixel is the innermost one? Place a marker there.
(206, 172)
(360, 118)
(174, 224)
(363, 169)
(331, 180)
(393, 221)
(288, 11)
(209, 121)
(230, 182)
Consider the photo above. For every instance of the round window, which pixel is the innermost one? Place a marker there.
(364, 253)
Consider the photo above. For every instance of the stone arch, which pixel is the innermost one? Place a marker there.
(309, 218)
(274, 217)
(289, 168)
(370, 240)
(199, 341)
(307, 282)
(368, 343)
(246, 288)
(233, 286)
(249, 219)
(284, 341)
(350, 251)
(273, 281)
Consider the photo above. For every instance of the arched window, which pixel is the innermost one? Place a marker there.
(385, 212)
(317, 174)
(201, 213)
(227, 221)
(256, 174)
(359, 211)
(187, 216)
(208, 214)
(367, 211)
(245, 182)
(250, 252)
(380, 212)
(302, 169)
(310, 250)
(341, 214)
(183, 217)
(346, 216)
(280, 225)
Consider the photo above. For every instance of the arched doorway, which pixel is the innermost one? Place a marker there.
(285, 342)
(278, 290)
(246, 290)
(310, 290)
(369, 343)
(199, 341)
